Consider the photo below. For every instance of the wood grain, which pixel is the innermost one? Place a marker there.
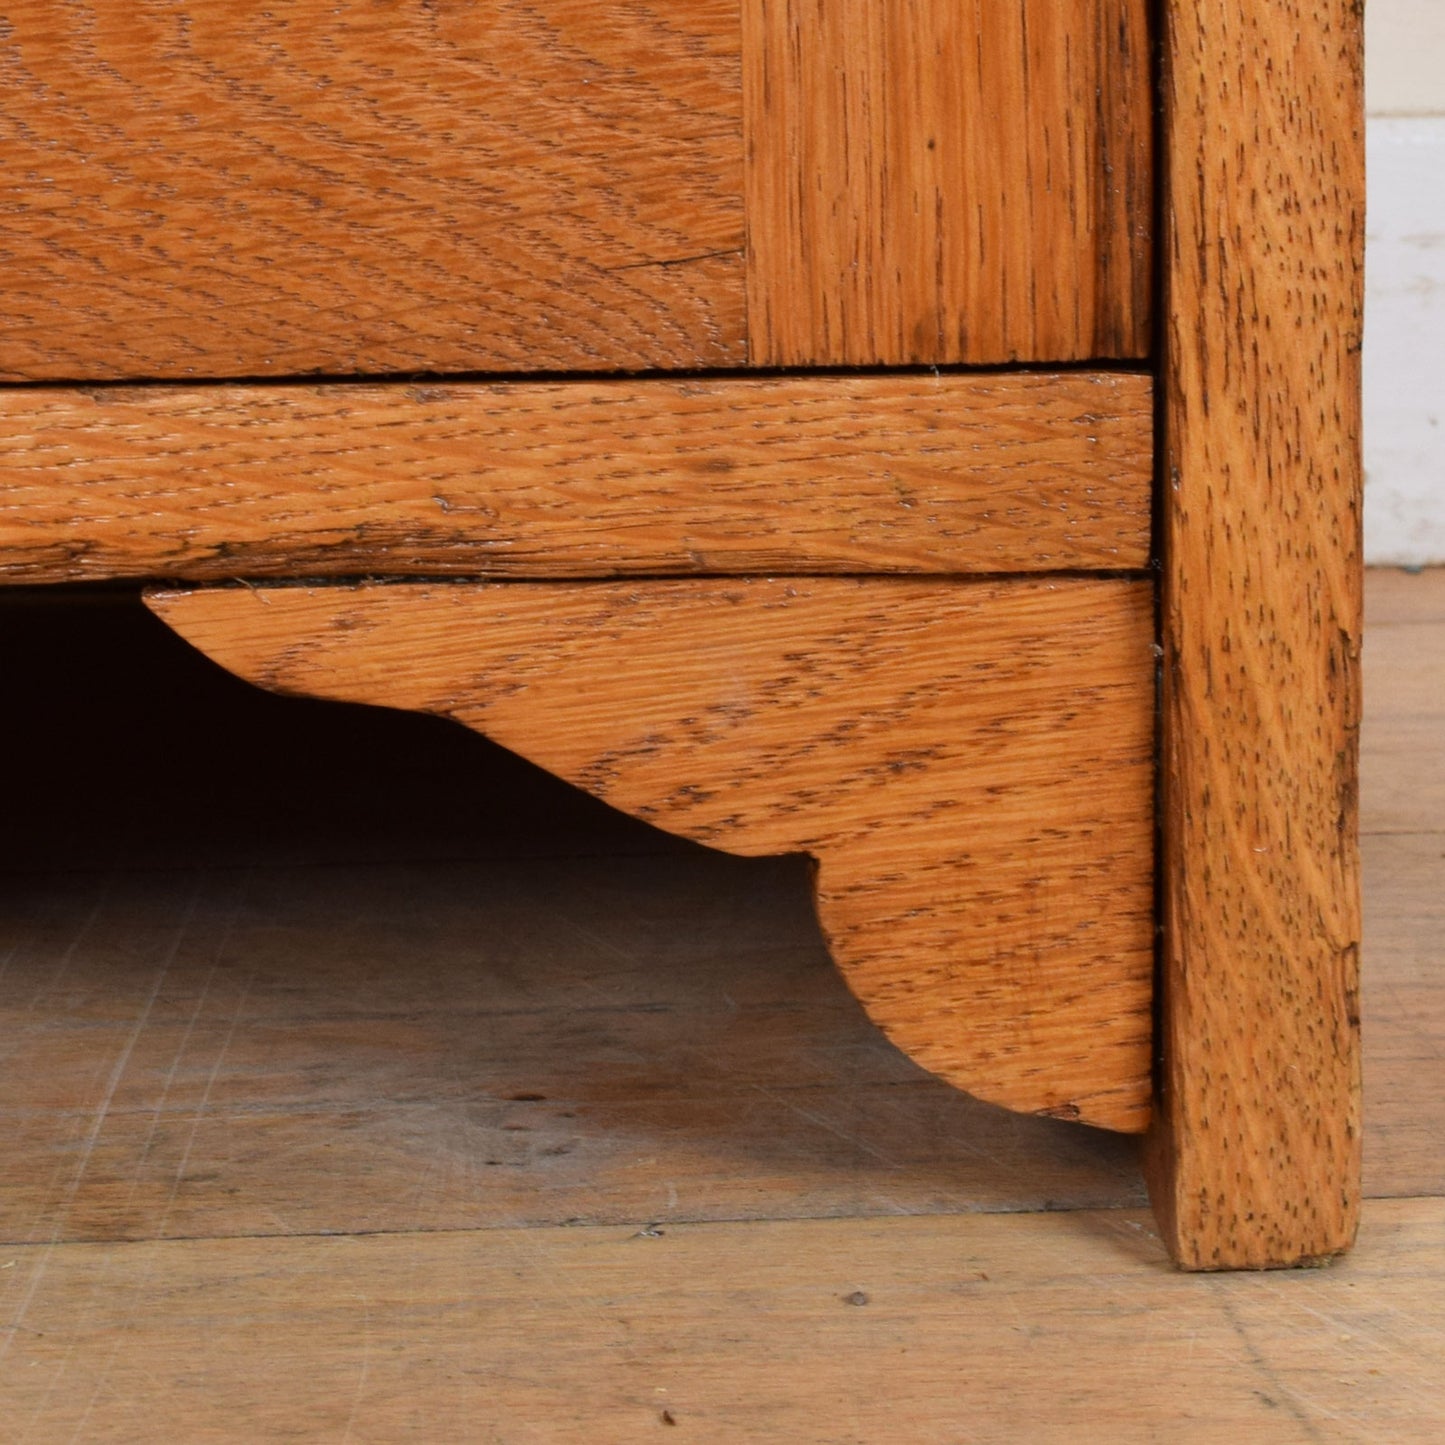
(935, 181)
(1402, 769)
(1402, 823)
(1258, 1150)
(954, 473)
(1403, 997)
(970, 763)
(1410, 596)
(349, 187)
(985, 1327)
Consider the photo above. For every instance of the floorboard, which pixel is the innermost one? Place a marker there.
(944, 1328)
(1402, 822)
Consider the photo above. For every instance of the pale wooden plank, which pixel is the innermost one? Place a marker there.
(767, 1148)
(1394, 594)
(344, 1049)
(1402, 819)
(1404, 1013)
(1259, 1145)
(970, 763)
(1402, 768)
(929, 181)
(1405, 681)
(955, 473)
(1047, 1328)
(336, 186)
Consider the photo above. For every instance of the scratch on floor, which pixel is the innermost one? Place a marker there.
(1280, 1394)
(365, 1365)
(102, 1111)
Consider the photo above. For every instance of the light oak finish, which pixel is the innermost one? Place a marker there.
(1009, 472)
(1258, 1148)
(936, 181)
(558, 187)
(351, 189)
(969, 763)
(341, 186)
(1402, 823)
(982, 1327)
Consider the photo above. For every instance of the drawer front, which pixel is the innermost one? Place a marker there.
(351, 187)
(348, 186)
(1021, 471)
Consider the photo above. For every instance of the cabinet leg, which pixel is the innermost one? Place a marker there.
(1256, 1156)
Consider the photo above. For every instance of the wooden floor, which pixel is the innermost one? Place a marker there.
(362, 1085)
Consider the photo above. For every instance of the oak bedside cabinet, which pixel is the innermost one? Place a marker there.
(918, 433)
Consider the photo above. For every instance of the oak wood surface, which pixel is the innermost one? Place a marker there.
(933, 181)
(977, 1327)
(342, 186)
(970, 764)
(354, 188)
(914, 472)
(1259, 1139)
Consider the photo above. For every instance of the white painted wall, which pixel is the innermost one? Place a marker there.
(1405, 282)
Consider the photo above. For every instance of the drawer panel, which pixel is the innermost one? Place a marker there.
(348, 186)
(948, 180)
(362, 187)
(1014, 472)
